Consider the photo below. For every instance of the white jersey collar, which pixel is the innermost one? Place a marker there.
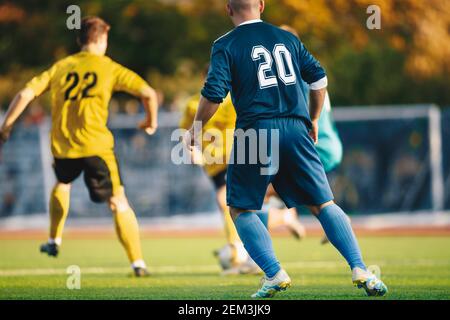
(250, 22)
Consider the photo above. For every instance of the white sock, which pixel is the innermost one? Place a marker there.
(56, 241)
(139, 264)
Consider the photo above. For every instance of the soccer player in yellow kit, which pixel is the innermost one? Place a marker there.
(81, 86)
(232, 257)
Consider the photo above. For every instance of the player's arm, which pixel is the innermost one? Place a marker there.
(189, 112)
(313, 74)
(15, 109)
(149, 100)
(34, 88)
(316, 100)
(187, 119)
(206, 110)
(215, 90)
(130, 82)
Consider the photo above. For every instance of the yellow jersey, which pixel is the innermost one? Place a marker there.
(223, 121)
(81, 86)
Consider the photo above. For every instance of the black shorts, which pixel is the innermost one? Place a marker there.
(220, 179)
(101, 174)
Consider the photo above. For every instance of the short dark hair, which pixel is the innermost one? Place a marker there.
(91, 29)
(241, 5)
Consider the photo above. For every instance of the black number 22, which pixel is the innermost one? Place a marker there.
(89, 78)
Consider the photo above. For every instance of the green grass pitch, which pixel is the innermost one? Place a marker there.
(184, 268)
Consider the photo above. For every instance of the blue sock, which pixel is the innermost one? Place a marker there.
(339, 231)
(257, 242)
(263, 214)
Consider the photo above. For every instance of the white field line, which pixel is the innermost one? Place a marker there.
(154, 269)
(202, 268)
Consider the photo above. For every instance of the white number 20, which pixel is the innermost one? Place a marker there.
(283, 61)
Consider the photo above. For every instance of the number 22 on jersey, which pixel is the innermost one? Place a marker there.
(73, 79)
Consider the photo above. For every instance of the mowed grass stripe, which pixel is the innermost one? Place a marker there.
(198, 268)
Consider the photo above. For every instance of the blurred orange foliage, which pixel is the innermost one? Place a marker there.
(419, 29)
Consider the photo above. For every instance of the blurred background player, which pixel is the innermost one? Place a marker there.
(233, 258)
(81, 86)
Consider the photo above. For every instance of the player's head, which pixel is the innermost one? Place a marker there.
(289, 29)
(241, 10)
(93, 35)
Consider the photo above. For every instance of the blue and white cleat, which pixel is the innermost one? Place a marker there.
(368, 281)
(270, 287)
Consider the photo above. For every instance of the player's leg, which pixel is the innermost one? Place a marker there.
(282, 216)
(256, 239)
(103, 180)
(287, 218)
(340, 233)
(325, 239)
(233, 254)
(66, 170)
(330, 153)
(59, 209)
(246, 189)
(232, 257)
(127, 230)
(219, 181)
(310, 187)
(257, 242)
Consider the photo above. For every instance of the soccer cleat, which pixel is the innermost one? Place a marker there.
(270, 287)
(141, 272)
(369, 282)
(292, 222)
(231, 256)
(248, 267)
(297, 229)
(51, 249)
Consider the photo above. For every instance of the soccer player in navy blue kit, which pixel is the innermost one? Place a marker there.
(262, 66)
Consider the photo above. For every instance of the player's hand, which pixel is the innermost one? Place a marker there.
(4, 135)
(314, 132)
(191, 142)
(148, 127)
(196, 156)
(189, 138)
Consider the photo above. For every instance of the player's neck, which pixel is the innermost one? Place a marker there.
(92, 49)
(238, 20)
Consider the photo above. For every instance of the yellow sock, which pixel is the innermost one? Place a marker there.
(59, 209)
(230, 229)
(128, 232)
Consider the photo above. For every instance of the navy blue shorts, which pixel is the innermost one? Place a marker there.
(297, 174)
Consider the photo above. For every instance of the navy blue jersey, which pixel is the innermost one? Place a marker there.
(263, 67)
